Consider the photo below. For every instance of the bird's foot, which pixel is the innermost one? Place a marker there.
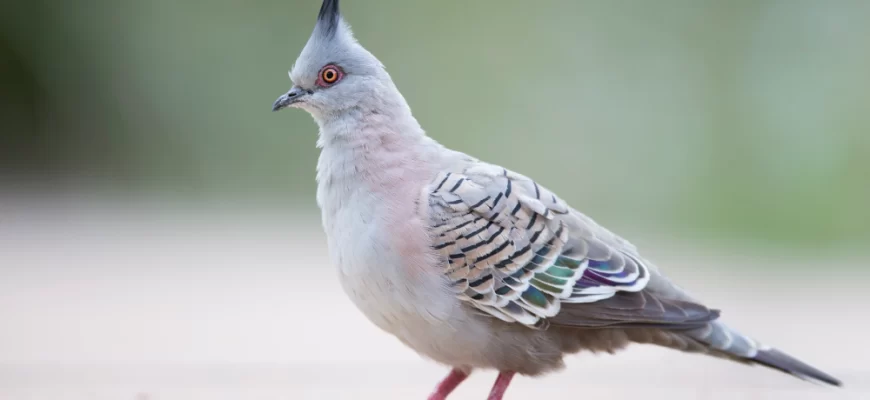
(501, 385)
(446, 386)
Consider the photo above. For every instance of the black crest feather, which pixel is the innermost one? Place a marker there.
(328, 16)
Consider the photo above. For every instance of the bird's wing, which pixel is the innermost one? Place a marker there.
(515, 251)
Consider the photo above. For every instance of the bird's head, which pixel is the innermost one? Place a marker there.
(334, 73)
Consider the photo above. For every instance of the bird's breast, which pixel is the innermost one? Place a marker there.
(384, 262)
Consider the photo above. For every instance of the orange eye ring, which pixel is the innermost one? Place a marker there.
(330, 74)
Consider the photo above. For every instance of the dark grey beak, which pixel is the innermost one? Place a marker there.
(294, 95)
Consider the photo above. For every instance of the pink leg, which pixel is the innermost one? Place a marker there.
(501, 385)
(449, 383)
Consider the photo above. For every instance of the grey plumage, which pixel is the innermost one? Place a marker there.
(468, 263)
(328, 18)
(776, 359)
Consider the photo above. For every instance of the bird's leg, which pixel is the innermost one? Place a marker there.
(501, 385)
(446, 386)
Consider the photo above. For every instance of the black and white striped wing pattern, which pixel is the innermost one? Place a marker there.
(517, 252)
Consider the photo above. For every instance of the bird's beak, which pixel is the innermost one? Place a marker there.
(293, 96)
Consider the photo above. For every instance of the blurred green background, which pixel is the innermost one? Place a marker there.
(159, 237)
(732, 120)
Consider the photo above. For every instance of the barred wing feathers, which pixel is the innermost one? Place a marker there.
(517, 252)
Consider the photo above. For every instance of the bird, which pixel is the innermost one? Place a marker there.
(469, 264)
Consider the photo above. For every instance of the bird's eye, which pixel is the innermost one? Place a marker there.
(329, 75)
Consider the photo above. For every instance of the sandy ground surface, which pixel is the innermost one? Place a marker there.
(99, 303)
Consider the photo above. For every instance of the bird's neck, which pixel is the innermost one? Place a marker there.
(372, 155)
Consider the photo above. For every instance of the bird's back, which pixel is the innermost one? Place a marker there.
(519, 254)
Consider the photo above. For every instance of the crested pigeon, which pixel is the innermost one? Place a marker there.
(470, 264)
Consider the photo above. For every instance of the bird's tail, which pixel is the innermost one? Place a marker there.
(727, 342)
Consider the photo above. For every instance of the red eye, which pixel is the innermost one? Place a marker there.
(329, 75)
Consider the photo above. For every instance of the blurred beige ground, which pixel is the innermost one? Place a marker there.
(118, 300)
(675, 118)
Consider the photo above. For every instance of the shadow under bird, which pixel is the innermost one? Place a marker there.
(468, 263)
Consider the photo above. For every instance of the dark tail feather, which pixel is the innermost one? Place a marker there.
(783, 362)
(726, 342)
